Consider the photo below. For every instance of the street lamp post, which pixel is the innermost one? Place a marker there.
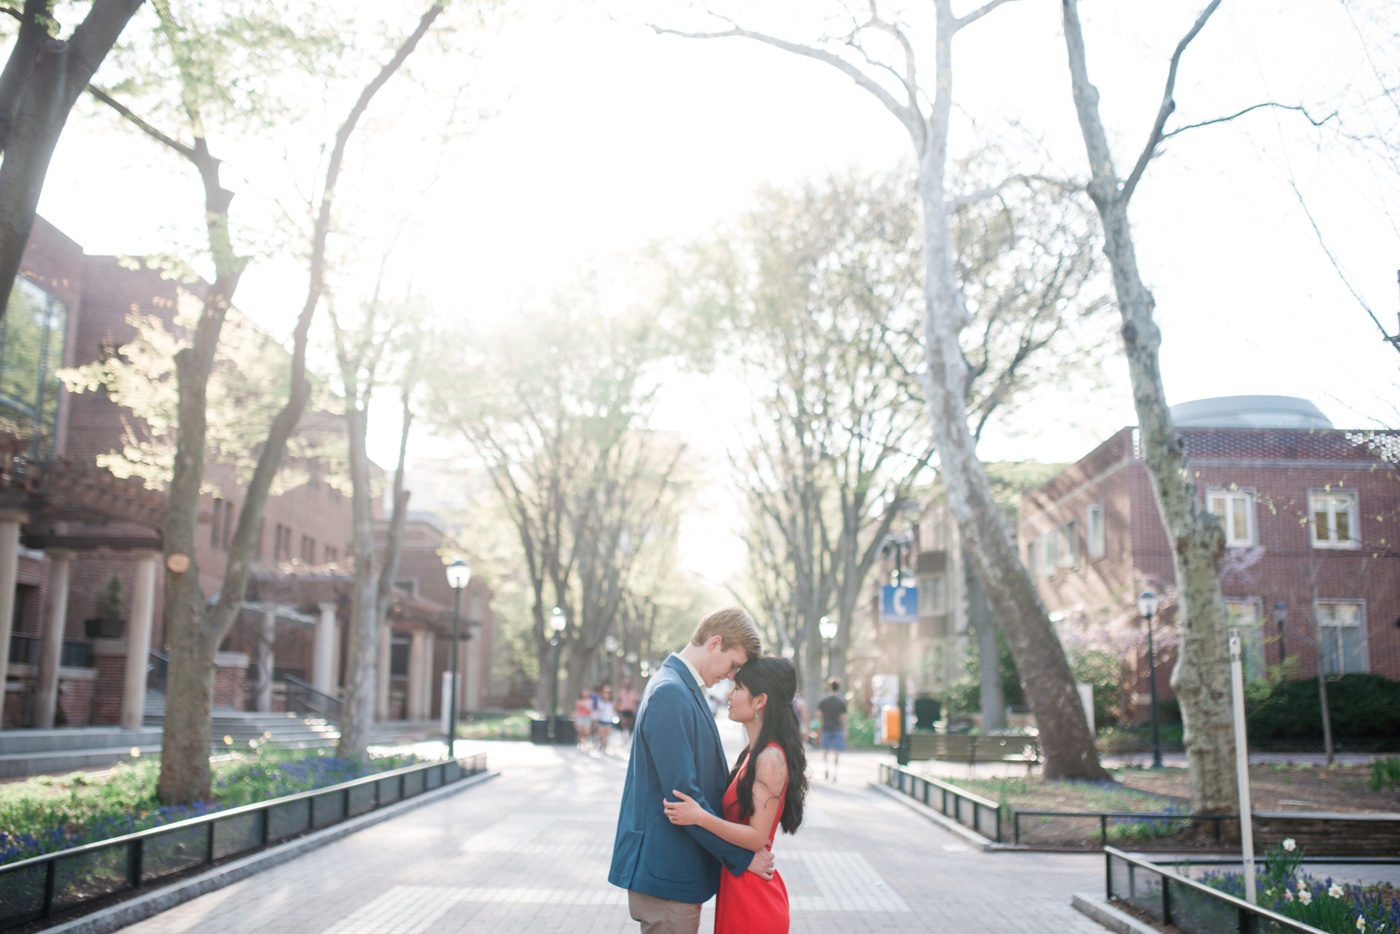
(459, 574)
(1281, 617)
(827, 628)
(557, 622)
(1147, 606)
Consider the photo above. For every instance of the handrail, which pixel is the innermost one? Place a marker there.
(1247, 915)
(37, 876)
(157, 670)
(299, 690)
(25, 648)
(898, 777)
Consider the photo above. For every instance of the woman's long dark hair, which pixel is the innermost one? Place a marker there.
(777, 678)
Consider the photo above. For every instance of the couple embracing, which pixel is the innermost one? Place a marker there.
(689, 827)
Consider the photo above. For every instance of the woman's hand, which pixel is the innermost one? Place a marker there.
(685, 811)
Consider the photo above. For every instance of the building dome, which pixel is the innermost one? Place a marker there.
(1250, 412)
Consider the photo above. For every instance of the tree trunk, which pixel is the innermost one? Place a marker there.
(41, 81)
(362, 648)
(1201, 678)
(979, 616)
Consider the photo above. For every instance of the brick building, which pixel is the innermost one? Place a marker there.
(69, 528)
(1312, 570)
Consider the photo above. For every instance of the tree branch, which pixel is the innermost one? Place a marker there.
(1154, 138)
(1253, 107)
(977, 14)
(127, 114)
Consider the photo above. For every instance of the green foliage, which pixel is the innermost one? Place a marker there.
(1362, 706)
(1104, 671)
(512, 725)
(860, 730)
(1385, 774)
(965, 694)
(107, 600)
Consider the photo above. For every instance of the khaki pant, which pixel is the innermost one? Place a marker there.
(663, 916)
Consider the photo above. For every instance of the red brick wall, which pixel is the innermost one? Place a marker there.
(1280, 467)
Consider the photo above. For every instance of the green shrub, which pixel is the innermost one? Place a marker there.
(1362, 706)
(860, 731)
(1385, 774)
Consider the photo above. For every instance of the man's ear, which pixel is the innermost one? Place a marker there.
(716, 644)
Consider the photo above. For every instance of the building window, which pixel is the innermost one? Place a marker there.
(32, 334)
(1094, 533)
(933, 594)
(1049, 554)
(1235, 509)
(1031, 556)
(331, 555)
(1244, 614)
(282, 543)
(308, 549)
(1334, 520)
(1343, 625)
(1067, 544)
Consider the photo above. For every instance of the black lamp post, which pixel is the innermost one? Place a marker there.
(827, 628)
(1281, 617)
(1147, 606)
(459, 574)
(557, 623)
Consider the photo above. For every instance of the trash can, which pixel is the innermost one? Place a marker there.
(891, 721)
(926, 712)
(539, 731)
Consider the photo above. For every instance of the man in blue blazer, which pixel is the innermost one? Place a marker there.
(669, 871)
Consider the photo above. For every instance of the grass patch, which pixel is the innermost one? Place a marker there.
(513, 724)
(49, 813)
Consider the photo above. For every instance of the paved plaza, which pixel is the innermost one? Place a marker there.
(528, 851)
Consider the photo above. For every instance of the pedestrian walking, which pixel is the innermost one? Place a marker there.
(835, 720)
(670, 870)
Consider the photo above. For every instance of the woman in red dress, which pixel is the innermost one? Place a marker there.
(765, 789)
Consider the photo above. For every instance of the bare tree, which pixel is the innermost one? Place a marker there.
(1201, 676)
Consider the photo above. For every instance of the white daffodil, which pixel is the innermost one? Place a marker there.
(1305, 897)
(1335, 890)
(1289, 844)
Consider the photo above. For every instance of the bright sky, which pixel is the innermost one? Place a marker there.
(607, 135)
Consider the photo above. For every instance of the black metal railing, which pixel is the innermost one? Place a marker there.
(972, 811)
(81, 878)
(301, 697)
(25, 650)
(1192, 907)
(157, 670)
(1058, 828)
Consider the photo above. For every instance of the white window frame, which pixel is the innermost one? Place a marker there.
(1067, 544)
(933, 594)
(1247, 615)
(1049, 554)
(1228, 497)
(1353, 514)
(1330, 628)
(1095, 534)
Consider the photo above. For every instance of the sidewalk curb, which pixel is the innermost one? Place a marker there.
(972, 837)
(141, 907)
(1119, 922)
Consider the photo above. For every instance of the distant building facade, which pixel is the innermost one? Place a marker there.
(1311, 516)
(68, 528)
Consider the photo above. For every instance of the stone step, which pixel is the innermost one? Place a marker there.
(69, 760)
(34, 742)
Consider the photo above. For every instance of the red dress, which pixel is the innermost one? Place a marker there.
(747, 904)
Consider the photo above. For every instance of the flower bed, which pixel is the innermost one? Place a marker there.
(1338, 908)
(47, 814)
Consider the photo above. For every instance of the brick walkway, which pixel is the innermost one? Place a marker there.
(528, 852)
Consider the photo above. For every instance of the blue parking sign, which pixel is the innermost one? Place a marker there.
(899, 604)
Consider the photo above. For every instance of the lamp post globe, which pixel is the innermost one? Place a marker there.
(459, 574)
(827, 628)
(558, 622)
(1147, 606)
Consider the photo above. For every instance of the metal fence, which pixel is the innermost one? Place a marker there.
(1077, 829)
(1191, 906)
(77, 879)
(972, 811)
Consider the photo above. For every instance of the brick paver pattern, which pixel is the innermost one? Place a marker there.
(528, 851)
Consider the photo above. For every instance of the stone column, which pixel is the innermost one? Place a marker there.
(471, 665)
(414, 698)
(324, 665)
(138, 639)
(51, 648)
(429, 687)
(267, 637)
(10, 521)
(386, 648)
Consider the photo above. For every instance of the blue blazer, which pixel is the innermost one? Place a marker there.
(675, 745)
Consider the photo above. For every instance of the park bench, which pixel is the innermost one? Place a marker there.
(964, 747)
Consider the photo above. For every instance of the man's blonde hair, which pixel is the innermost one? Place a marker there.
(734, 627)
